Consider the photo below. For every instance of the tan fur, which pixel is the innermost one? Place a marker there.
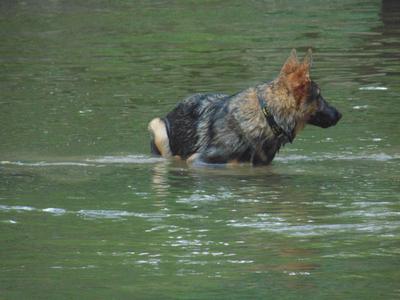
(159, 131)
(282, 100)
(193, 158)
(291, 64)
(251, 116)
(234, 162)
(296, 76)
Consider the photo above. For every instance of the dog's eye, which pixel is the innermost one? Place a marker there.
(315, 94)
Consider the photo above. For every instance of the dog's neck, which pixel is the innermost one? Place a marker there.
(279, 114)
(277, 130)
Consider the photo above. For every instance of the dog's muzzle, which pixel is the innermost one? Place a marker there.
(326, 115)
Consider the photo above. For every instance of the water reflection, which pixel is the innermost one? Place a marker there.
(160, 179)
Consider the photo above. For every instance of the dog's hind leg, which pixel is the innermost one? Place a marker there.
(153, 148)
(207, 158)
(160, 140)
(193, 158)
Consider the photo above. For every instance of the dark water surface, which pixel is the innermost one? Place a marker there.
(87, 213)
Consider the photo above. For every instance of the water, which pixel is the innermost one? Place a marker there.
(87, 213)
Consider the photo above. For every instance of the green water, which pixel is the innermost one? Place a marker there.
(87, 213)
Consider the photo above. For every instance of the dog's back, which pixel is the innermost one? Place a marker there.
(177, 134)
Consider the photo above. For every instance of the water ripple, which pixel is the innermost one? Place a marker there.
(317, 230)
(372, 157)
(86, 213)
(44, 163)
(144, 159)
(128, 159)
(88, 162)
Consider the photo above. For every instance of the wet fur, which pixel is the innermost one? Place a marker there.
(218, 128)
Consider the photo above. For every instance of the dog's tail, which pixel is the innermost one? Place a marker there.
(160, 141)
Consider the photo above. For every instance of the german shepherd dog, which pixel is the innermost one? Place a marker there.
(250, 126)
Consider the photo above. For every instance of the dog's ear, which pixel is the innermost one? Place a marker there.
(291, 64)
(308, 60)
(299, 81)
(296, 75)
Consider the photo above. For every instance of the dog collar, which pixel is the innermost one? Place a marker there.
(276, 129)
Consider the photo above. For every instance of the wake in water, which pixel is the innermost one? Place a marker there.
(325, 157)
(84, 213)
(145, 159)
(261, 221)
(89, 162)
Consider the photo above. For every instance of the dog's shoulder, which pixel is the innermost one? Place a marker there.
(245, 107)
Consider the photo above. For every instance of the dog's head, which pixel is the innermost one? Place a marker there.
(306, 94)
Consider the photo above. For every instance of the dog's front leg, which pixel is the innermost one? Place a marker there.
(266, 154)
